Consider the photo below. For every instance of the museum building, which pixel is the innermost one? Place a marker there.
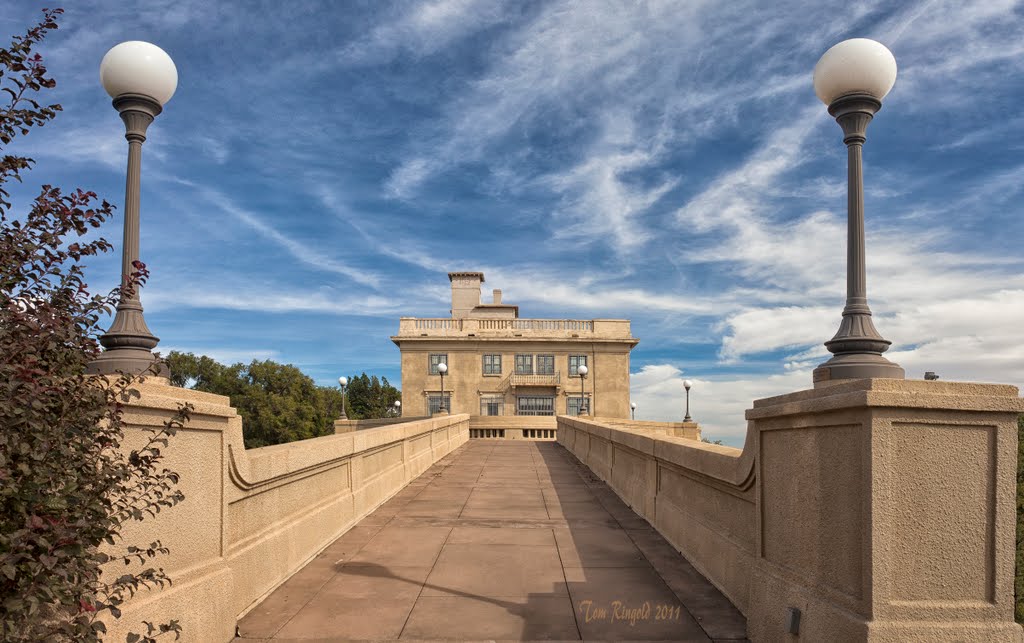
(496, 363)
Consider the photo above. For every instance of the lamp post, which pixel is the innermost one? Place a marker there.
(582, 371)
(687, 384)
(852, 78)
(632, 410)
(442, 368)
(398, 408)
(343, 381)
(141, 78)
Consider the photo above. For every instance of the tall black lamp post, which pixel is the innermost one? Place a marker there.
(141, 78)
(582, 371)
(343, 382)
(442, 368)
(687, 384)
(852, 78)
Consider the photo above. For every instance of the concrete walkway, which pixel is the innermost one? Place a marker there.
(500, 540)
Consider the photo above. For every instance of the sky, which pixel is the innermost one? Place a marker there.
(323, 165)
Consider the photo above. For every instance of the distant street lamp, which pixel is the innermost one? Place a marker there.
(632, 410)
(582, 371)
(398, 408)
(687, 384)
(343, 381)
(442, 368)
(852, 78)
(141, 78)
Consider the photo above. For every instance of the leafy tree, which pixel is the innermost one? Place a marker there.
(278, 403)
(370, 397)
(66, 484)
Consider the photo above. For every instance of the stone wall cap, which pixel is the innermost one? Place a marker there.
(880, 392)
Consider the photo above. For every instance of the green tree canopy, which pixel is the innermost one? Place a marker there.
(371, 397)
(279, 403)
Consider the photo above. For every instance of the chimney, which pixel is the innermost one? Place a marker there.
(465, 292)
(497, 296)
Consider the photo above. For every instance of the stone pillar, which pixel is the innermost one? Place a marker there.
(886, 512)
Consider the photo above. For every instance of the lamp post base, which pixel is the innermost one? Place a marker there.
(855, 366)
(134, 361)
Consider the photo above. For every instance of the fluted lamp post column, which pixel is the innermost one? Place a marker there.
(632, 410)
(687, 384)
(343, 382)
(141, 78)
(442, 368)
(582, 371)
(852, 78)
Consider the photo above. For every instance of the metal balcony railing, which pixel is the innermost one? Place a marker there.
(522, 379)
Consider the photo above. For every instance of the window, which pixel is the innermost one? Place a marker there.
(435, 359)
(434, 402)
(573, 403)
(524, 364)
(545, 365)
(575, 361)
(492, 365)
(535, 405)
(492, 405)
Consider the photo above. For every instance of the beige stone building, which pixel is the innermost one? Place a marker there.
(501, 364)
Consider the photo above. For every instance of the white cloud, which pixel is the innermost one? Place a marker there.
(718, 405)
(425, 28)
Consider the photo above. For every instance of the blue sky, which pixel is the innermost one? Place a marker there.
(322, 166)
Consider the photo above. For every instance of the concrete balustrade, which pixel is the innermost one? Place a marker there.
(252, 518)
(875, 510)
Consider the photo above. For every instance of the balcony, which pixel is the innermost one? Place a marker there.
(521, 379)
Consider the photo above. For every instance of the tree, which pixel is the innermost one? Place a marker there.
(370, 397)
(66, 484)
(278, 403)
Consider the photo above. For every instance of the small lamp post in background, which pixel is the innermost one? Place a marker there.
(582, 371)
(632, 410)
(852, 78)
(343, 381)
(398, 408)
(141, 78)
(442, 368)
(687, 384)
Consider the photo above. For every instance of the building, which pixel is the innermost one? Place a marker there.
(500, 364)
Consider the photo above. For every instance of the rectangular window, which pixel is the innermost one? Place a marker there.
(492, 406)
(492, 364)
(545, 365)
(435, 359)
(535, 405)
(524, 364)
(573, 404)
(434, 402)
(575, 361)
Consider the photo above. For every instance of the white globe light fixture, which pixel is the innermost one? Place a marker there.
(687, 384)
(140, 77)
(632, 410)
(398, 408)
(852, 78)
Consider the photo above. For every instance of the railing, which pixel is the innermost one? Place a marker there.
(522, 379)
(562, 328)
(443, 324)
(536, 324)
